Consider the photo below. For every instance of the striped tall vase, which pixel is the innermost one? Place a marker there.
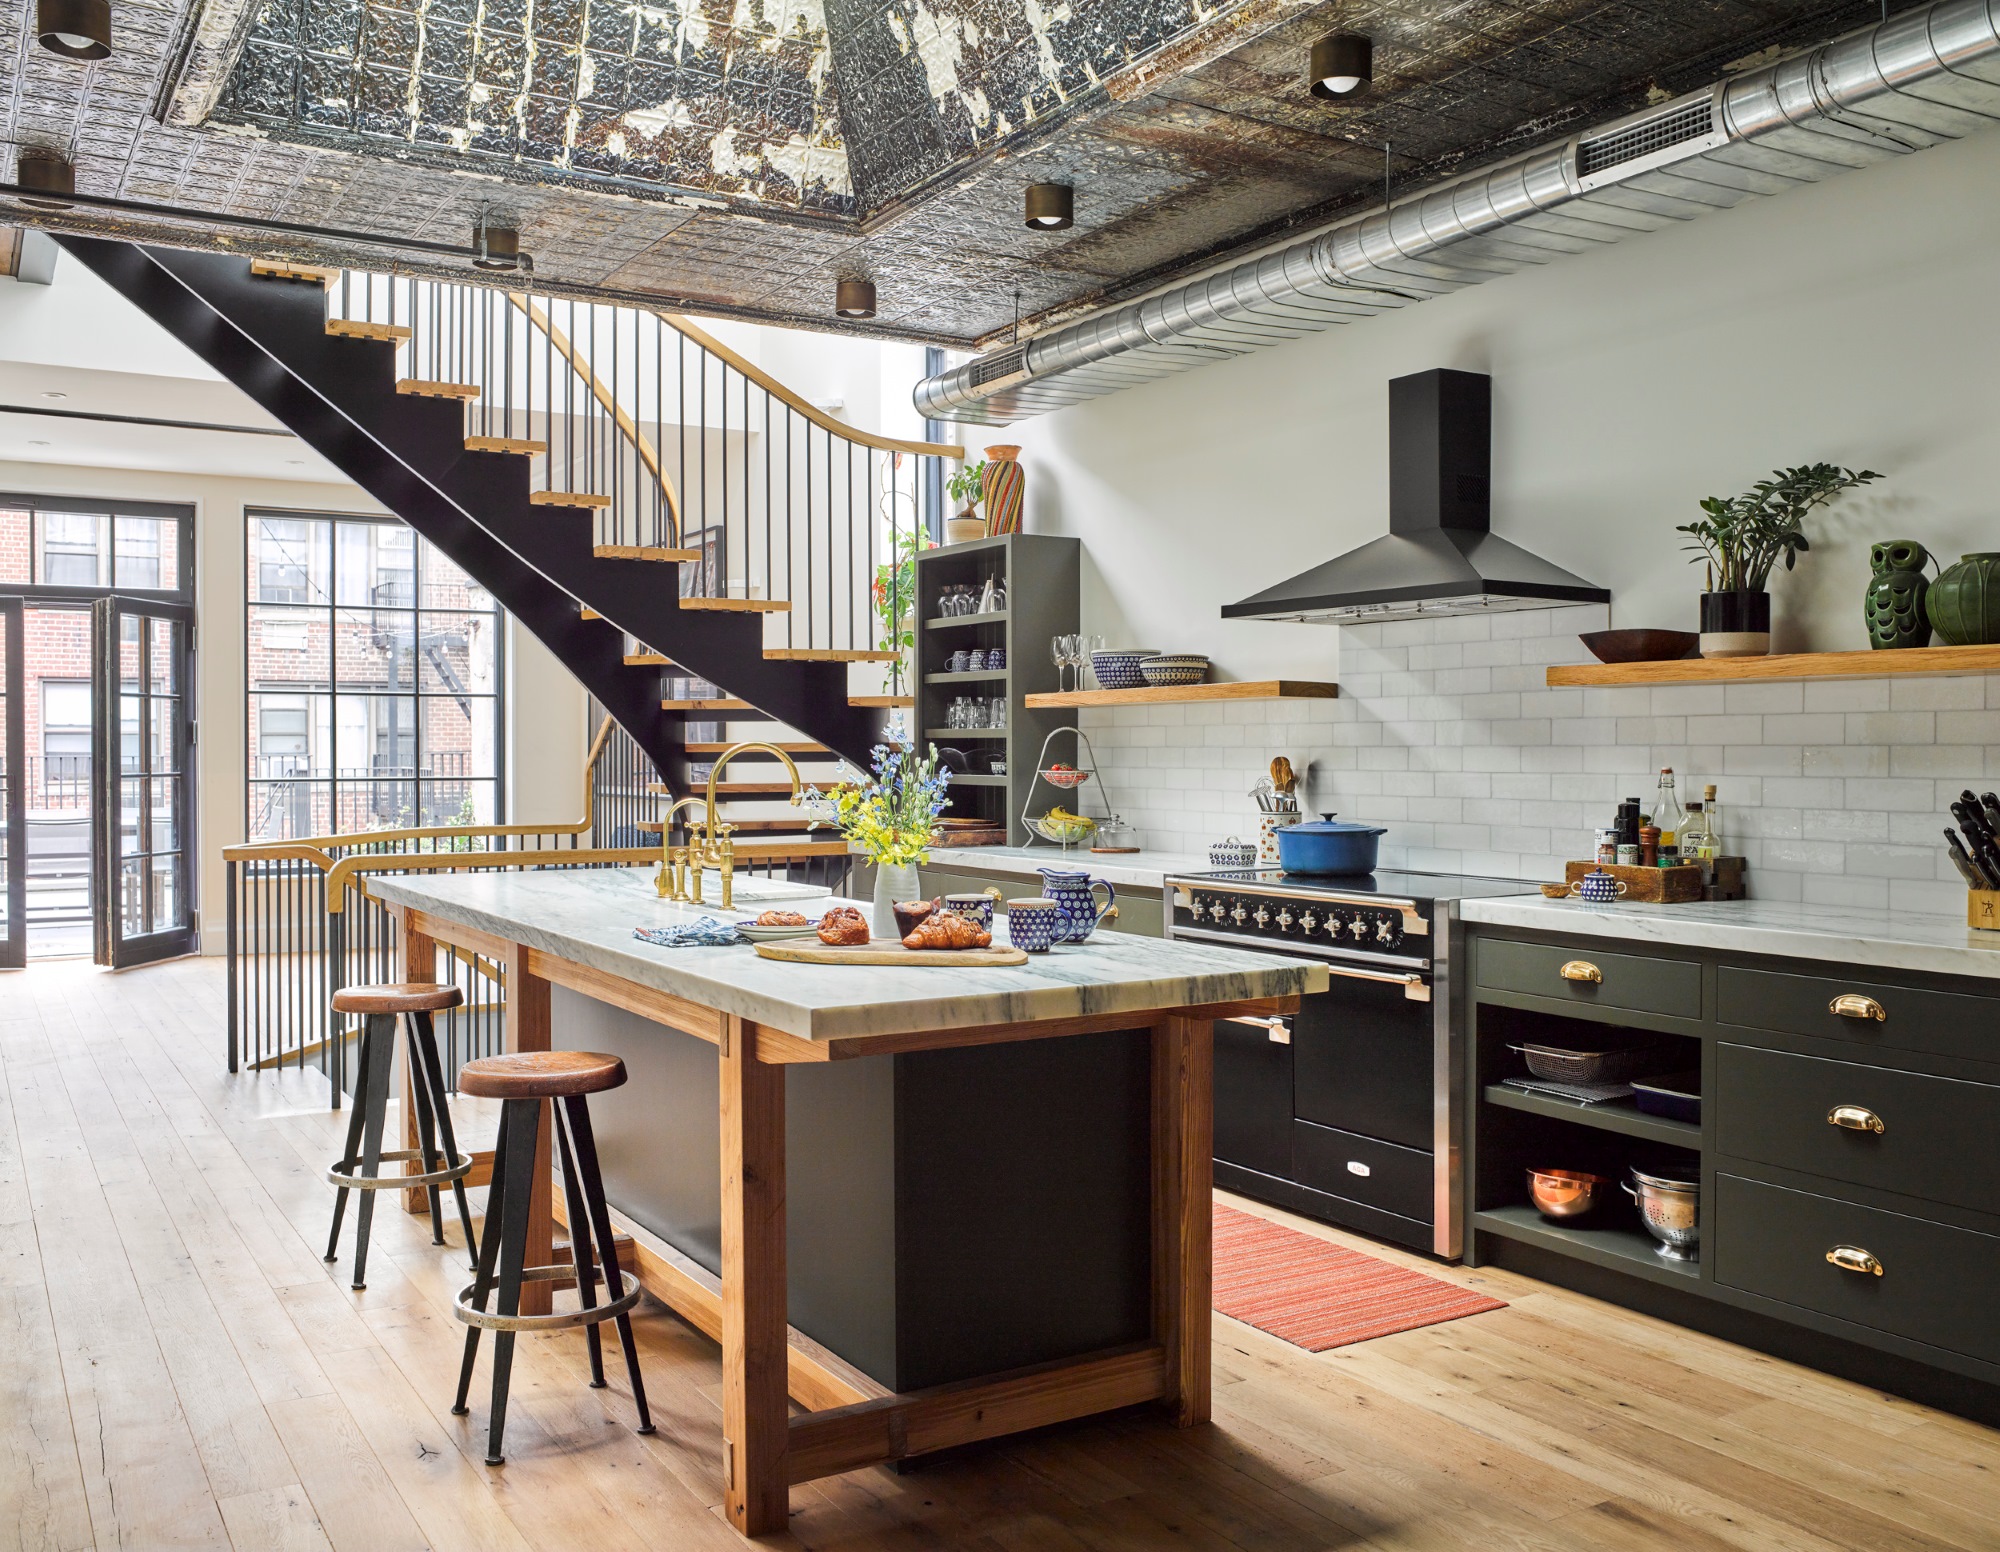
(1002, 486)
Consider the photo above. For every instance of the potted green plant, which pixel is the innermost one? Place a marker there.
(966, 486)
(1742, 537)
(894, 591)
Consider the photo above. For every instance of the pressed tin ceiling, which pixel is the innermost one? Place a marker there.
(738, 156)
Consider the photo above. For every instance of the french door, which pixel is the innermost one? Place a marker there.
(142, 748)
(13, 789)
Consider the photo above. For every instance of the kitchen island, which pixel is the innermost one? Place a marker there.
(932, 1205)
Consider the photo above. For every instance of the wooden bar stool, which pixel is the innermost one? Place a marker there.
(523, 1081)
(360, 1169)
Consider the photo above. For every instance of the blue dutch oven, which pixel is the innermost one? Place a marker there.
(1329, 845)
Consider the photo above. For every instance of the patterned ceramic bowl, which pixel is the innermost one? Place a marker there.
(1119, 670)
(1174, 668)
(1232, 853)
(1032, 924)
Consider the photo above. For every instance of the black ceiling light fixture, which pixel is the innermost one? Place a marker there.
(48, 174)
(1343, 63)
(1051, 207)
(854, 299)
(498, 247)
(75, 29)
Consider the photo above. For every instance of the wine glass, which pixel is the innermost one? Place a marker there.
(1088, 647)
(1061, 651)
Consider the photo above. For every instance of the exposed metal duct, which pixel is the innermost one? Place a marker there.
(1926, 76)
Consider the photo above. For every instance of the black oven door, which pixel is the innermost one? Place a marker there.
(1253, 1094)
(1362, 1060)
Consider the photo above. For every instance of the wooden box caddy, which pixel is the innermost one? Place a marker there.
(1646, 886)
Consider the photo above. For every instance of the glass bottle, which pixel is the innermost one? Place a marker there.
(1667, 816)
(1711, 841)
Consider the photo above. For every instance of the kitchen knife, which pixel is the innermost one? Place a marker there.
(1962, 860)
(1979, 839)
(1989, 805)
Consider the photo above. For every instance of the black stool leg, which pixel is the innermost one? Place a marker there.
(489, 1251)
(579, 1245)
(434, 1076)
(420, 1100)
(600, 1217)
(381, 1053)
(523, 1135)
(353, 1149)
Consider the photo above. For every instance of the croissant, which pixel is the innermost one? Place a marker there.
(945, 930)
(843, 925)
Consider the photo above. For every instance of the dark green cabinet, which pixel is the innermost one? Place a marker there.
(1591, 977)
(1861, 1010)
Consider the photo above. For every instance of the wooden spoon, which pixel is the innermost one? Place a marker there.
(1282, 777)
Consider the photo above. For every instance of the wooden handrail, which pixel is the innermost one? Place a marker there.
(349, 871)
(812, 412)
(607, 397)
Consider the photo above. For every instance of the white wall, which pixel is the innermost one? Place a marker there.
(1855, 321)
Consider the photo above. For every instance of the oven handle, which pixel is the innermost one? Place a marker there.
(1415, 987)
(1279, 1029)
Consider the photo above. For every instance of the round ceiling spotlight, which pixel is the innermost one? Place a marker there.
(48, 174)
(498, 247)
(854, 299)
(75, 29)
(1051, 207)
(1343, 63)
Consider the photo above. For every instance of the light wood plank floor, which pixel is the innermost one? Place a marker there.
(178, 1368)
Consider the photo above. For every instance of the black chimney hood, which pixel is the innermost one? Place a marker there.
(1438, 556)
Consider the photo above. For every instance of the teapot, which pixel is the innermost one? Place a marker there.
(1075, 895)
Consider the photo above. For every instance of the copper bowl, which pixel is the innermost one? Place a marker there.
(1564, 1193)
(1639, 646)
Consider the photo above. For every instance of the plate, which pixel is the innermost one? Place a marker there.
(756, 934)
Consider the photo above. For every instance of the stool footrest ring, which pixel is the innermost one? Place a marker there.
(492, 1321)
(339, 1173)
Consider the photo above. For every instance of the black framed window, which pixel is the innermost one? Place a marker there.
(70, 547)
(373, 686)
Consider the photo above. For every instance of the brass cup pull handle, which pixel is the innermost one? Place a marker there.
(1853, 1005)
(1581, 970)
(1852, 1258)
(1856, 1118)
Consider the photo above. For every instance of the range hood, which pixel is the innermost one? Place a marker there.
(1439, 556)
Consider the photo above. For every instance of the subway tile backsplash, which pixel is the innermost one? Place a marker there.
(1445, 732)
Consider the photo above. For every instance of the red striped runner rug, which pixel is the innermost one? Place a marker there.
(1317, 1295)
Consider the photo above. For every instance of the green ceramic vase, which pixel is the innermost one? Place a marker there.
(1964, 602)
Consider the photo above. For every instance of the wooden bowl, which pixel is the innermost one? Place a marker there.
(1640, 646)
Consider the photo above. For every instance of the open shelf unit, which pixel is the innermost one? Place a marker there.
(1617, 1246)
(1618, 1115)
(1041, 573)
(1889, 664)
(1187, 694)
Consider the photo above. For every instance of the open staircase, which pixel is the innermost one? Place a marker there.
(512, 432)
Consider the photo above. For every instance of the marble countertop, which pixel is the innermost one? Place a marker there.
(1140, 869)
(587, 916)
(1844, 935)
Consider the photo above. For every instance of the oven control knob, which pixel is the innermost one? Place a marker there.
(1263, 916)
(1309, 923)
(1385, 929)
(1333, 925)
(1239, 914)
(1215, 911)
(1285, 918)
(1359, 927)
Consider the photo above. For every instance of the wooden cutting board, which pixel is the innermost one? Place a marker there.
(887, 951)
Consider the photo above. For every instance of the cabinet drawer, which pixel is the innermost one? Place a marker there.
(1935, 1141)
(1941, 1023)
(1936, 1285)
(1629, 981)
(1363, 1169)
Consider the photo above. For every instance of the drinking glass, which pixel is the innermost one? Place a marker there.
(1063, 651)
(997, 714)
(1087, 648)
(975, 714)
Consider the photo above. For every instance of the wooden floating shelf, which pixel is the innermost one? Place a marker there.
(724, 705)
(1188, 694)
(1890, 664)
(881, 702)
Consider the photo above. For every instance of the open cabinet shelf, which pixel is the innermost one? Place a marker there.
(1187, 694)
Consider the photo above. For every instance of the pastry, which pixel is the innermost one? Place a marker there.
(782, 919)
(910, 912)
(945, 930)
(843, 925)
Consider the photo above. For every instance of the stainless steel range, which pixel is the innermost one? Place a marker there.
(1348, 1110)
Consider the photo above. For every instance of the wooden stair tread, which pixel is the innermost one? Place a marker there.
(827, 655)
(424, 388)
(527, 445)
(567, 498)
(588, 613)
(739, 605)
(731, 789)
(641, 552)
(756, 754)
(881, 701)
(354, 328)
(722, 705)
(279, 269)
(648, 660)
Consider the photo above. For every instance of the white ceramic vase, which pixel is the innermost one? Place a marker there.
(893, 882)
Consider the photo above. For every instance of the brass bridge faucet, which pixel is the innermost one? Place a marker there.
(711, 843)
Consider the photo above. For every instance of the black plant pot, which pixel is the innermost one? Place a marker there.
(1735, 624)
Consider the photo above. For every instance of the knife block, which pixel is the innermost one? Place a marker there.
(1982, 909)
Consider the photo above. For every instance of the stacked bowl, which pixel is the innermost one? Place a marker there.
(1170, 668)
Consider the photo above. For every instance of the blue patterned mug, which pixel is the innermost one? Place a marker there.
(1076, 894)
(974, 908)
(1033, 924)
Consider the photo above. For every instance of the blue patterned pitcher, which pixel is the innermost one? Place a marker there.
(1075, 894)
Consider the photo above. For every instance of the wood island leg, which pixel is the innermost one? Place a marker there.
(1183, 1226)
(755, 1416)
(529, 1029)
